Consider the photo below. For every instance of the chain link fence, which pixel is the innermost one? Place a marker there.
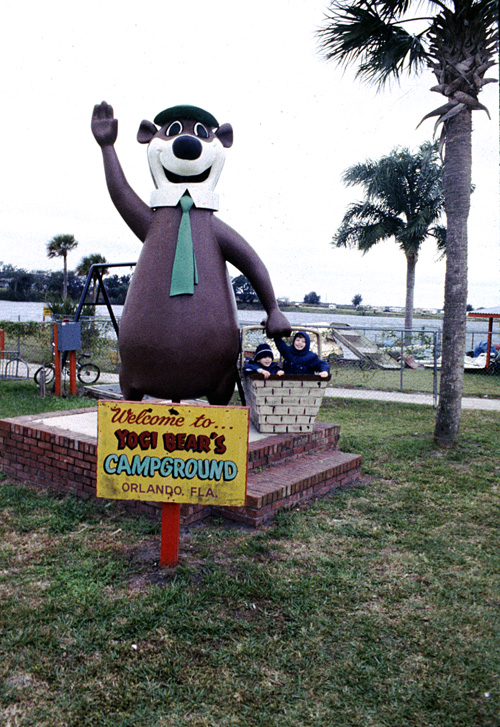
(27, 347)
(385, 363)
(368, 362)
(384, 360)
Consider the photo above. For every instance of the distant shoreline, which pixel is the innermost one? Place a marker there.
(305, 308)
(324, 310)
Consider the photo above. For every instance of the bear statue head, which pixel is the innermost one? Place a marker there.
(186, 153)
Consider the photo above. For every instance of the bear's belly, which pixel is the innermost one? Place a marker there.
(174, 356)
(183, 346)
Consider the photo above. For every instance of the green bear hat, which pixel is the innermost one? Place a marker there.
(194, 113)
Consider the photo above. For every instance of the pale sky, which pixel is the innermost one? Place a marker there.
(298, 123)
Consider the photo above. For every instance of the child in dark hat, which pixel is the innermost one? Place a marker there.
(298, 359)
(263, 362)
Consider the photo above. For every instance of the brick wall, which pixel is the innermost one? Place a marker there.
(66, 461)
(46, 456)
(284, 403)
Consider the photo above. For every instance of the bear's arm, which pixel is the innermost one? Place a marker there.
(136, 213)
(238, 252)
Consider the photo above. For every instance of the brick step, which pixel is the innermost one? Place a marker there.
(279, 447)
(290, 482)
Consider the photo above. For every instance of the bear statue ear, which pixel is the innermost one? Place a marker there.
(146, 132)
(225, 135)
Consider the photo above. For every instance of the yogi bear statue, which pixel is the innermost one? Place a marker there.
(179, 334)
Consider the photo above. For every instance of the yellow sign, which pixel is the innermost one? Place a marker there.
(172, 453)
(47, 312)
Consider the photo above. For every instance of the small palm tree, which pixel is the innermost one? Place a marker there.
(458, 41)
(84, 266)
(59, 246)
(404, 200)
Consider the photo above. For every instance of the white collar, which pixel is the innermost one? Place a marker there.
(170, 195)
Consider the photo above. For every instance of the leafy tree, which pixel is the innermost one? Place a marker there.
(356, 301)
(243, 290)
(403, 199)
(20, 284)
(39, 285)
(74, 285)
(117, 287)
(457, 40)
(59, 246)
(84, 266)
(312, 298)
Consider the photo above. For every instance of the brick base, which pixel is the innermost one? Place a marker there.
(283, 469)
(285, 485)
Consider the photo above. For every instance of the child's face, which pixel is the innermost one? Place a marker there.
(299, 343)
(265, 361)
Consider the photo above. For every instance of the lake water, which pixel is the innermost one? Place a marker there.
(13, 311)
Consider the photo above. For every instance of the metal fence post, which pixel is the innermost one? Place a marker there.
(401, 361)
(435, 384)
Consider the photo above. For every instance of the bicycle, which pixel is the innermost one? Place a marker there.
(87, 372)
(14, 368)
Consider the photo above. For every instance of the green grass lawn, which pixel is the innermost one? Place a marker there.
(375, 607)
(22, 397)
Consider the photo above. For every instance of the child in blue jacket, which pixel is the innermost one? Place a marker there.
(299, 359)
(263, 363)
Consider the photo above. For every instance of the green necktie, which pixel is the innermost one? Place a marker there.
(184, 273)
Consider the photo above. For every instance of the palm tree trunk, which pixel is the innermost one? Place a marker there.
(457, 188)
(411, 262)
(65, 277)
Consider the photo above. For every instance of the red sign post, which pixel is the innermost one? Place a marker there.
(170, 532)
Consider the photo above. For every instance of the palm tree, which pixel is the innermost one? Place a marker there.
(84, 266)
(404, 198)
(59, 246)
(457, 41)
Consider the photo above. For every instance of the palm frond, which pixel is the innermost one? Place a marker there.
(403, 198)
(394, 8)
(365, 224)
(370, 34)
(439, 233)
(401, 182)
(417, 230)
(60, 245)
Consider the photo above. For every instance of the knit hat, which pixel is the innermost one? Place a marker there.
(263, 350)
